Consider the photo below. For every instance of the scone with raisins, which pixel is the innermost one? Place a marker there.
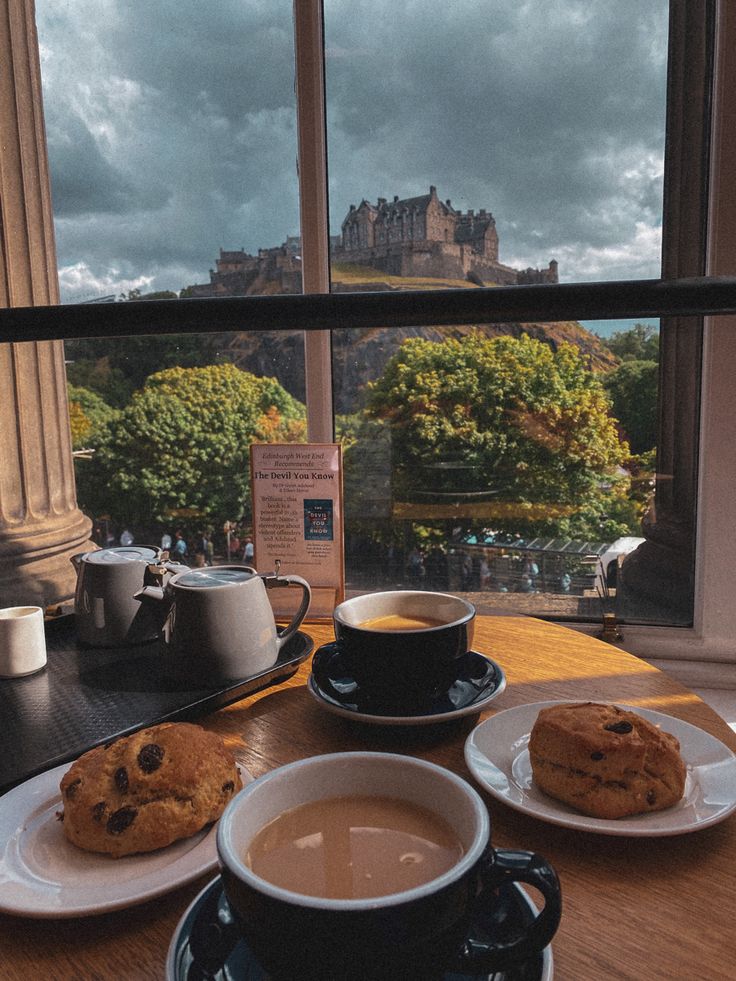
(605, 761)
(144, 791)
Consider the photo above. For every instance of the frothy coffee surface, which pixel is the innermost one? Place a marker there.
(354, 847)
(399, 621)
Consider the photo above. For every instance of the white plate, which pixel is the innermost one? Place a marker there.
(497, 754)
(43, 875)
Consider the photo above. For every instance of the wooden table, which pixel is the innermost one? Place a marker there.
(633, 908)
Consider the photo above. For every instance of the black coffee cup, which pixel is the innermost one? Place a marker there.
(419, 933)
(400, 669)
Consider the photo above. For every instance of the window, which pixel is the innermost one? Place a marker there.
(539, 153)
(141, 205)
(685, 200)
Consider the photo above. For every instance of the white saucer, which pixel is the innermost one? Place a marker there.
(42, 875)
(497, 755)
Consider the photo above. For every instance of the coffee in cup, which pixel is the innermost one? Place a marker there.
(354, 847)
(322, 922)
(403, 647)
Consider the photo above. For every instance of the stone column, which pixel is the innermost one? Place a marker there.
(41, 526)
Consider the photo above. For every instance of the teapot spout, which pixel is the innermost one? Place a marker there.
(150, 593)
(76, 560)
(157, 604)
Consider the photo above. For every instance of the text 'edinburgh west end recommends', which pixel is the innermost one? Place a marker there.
(298, 518)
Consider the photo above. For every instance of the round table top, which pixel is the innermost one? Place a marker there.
(633, 907)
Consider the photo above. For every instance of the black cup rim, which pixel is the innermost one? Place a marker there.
(469, 614)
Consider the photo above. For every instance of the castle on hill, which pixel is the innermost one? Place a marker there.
(424, 236)
(411, 237)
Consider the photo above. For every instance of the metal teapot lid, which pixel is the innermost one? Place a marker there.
(124, 553)
(214, 576)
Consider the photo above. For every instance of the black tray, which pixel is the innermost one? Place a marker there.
(88, 695)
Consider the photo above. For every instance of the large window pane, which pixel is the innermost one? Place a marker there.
(496, 144)
(172, 145)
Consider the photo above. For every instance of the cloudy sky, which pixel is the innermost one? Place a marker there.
(171, 128)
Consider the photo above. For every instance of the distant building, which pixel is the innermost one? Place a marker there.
(413, 237)
(238, 273)
(424, 236)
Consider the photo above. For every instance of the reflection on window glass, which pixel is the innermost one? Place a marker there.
(506, 144)
(493, 462)
(172, 139)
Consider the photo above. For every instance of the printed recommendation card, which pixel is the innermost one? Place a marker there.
(298, 520)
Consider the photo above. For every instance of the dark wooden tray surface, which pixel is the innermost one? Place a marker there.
(87, 696)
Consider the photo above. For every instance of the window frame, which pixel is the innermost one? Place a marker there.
(705, 654)
(698, 279)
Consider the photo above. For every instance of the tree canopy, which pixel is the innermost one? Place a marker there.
(506, 416)
(88, 414)
(640, 343)
(633, 391)
(115, 367)
(182, 444)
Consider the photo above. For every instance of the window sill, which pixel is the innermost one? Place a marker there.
(696, 661)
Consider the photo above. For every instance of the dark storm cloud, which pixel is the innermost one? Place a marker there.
(172, 131)
(84, 182)
(231, 58)
(548, 114)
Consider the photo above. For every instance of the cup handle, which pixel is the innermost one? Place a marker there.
(280, 582)
(505, 866)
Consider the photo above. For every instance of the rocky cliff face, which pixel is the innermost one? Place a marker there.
(359, 355)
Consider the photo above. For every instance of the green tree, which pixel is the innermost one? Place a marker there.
(633, 391)
(182, 444)
(641, 343)
(115, 367)
(504, 416)
(88, 415)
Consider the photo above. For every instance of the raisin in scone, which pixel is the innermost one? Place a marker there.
(144, 791)
(604, 761)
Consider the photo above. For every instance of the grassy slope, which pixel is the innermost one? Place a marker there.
(347, 276)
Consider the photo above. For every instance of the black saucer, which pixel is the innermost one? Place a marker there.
(478, 681)
(202, 946)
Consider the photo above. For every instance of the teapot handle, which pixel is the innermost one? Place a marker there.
(281, 582)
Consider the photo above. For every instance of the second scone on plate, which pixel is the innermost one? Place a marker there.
(605, 761)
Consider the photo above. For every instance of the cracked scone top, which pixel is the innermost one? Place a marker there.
(147, 790)
(605, 761)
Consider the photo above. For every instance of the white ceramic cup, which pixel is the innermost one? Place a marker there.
(22, 641)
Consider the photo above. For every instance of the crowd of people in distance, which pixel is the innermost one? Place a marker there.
(202, 552)
(235, 546)
(433, 567)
